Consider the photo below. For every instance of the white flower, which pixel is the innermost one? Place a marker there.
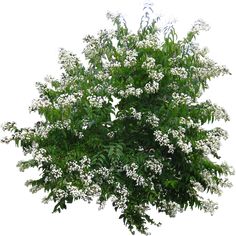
(219, 112)
(59, 194)
(182, 99)
(131, 171)
(131, 57)
(120, 197)
(67, 99)
(67, 59)
(157, 76)
(153, 120)
(149, 63)
(40, 103)
(151, 41)
(163, 140)
(55, 171)
(110, 134)
(135, 114)
(40, 155)
(73, 166)
(154, 165)
(102, 76)
(179, 71)
(74, 191)
(185, 147)
(151, 87)
(189, 122)
(209, 206)
(211, 144)
(97, 101)
(130, 90)
(200, 25)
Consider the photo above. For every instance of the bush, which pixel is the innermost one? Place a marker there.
(129, 126)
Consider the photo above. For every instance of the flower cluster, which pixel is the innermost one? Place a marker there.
(211, 144)
(218, 112)
(130, 91)
(179, 71)
(40, 154)
(150, 41)
(151, 87)
(200, 25)
(131, 172)
(179, 135)
(154, 165)
(171, 208)
(97, 101)
(189, 123)
(40, 103)
(182, 99)
(163, 140)
(209, 206)
(149, 63)
(136, 115)
(131, 57)
(67, 59)
(154, 75)
(66, 100)
(55, 172)
(120, 197)
(153, 120)
(73, 166)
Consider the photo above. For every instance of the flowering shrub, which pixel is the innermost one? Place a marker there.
(129, 126)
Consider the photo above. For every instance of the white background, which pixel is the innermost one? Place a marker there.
(31, 32)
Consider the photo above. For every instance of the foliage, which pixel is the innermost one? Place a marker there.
(129, 126)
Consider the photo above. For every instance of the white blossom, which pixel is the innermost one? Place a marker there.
(170, 208)
(102, 76)
(218, 112)
(67, 59)
(189, 122)
(131, 171)
(200, 25)
(153, 120)
(149, 63)
(179, 134)
(40, 154)
(135, 114)
(97, 101)
(120, 197)
(73, 166)
(130, 90)
(67, 99)
(75, 192)
(131, 57)
(40, 103)
(154, 165)
(154, 75)
(182, 99)
(151, 41)
(9, 126)
(211, 144)
(151, 87)
(179, 71)
(163, 140)
(197, 186)
(185, 147)
(110, 134)
(55, 171)
(59, 194)
(209, 206)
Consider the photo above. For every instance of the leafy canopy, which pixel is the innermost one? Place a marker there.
(129, 126)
